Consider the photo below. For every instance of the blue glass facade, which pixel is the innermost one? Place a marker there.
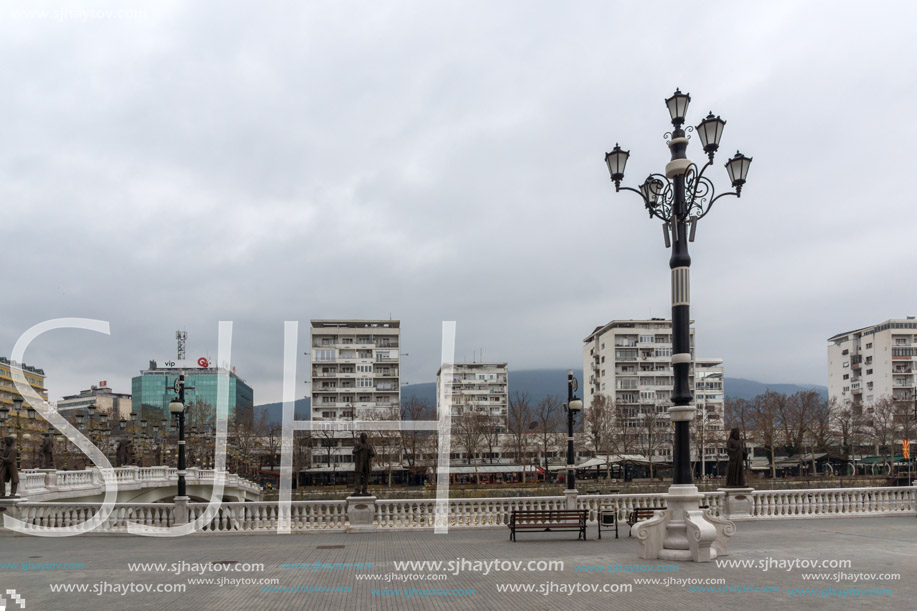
(153, 389)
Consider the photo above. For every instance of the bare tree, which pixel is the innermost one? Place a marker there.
(416, 444)
(820, 432)
(849, 422)
(882, 422)
(795, 414)
(491, 438)
(547, 416)
(302, 451)
(520, 418)
(765, 410)
(624, 434)
(387, 444)
(650, 434)
(599, 425)
(469, 430)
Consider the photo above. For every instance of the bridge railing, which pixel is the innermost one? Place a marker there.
(41, 481)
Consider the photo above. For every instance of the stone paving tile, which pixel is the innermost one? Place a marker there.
(873, 545)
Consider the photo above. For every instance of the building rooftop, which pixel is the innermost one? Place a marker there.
(910, 320)
(356, 324)
(466, 365)
(29, 368)
(626, 324)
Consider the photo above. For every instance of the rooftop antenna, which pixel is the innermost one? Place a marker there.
(182, 338)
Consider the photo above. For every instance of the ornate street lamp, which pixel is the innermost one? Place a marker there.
(573, 407)
(177, 408)
(679, 198)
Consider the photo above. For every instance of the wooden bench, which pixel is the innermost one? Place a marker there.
(642, 513)
(548, 520)
(606, 519)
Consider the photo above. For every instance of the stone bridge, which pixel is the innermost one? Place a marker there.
(135, 485)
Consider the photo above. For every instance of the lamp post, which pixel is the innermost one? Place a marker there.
(680, 198)
(177, 408)
(4, 416)
(573, 406)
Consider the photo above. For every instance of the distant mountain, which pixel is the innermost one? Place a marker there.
(275, 411)
(539, 383)
(740, 388)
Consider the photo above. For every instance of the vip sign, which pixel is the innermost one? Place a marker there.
(201, 363)
(16, 598)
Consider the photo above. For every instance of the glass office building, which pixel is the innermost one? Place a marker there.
(153, 388)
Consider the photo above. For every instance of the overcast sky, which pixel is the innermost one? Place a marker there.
(439, 161)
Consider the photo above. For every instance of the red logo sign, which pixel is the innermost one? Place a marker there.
(203, 362)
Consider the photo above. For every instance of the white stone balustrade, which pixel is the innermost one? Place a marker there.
(832, 503)
(398, 514)
(73, 514)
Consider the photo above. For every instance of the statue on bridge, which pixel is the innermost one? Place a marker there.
(8, 469)
(46, 452)
(363, 454)
(735, 471)
(124, 453)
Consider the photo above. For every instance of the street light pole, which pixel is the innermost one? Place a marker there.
(680, 198)
(573, 405)
(177, 407)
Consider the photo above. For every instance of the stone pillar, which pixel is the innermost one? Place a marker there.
(361, 513)
(181, 510)
(680, 499)
(738, 503)
(9, 507)
(50, 479)
(571, 498)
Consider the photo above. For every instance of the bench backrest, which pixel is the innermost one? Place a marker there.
(545, 515)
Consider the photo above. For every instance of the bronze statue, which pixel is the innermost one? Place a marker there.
(8, 470)
(735, 472)
(363, 454)
(124, 453)
(46, 452)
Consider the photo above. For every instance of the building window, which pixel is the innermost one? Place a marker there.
(846, 376)
(324, 355)
(868, 346)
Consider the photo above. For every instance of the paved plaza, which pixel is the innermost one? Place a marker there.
(327, 566)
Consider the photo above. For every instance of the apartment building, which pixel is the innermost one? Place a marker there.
(116, 405)
(480, 388)
(878, 361)
(356, 375)
(629, 362)
(33, 377)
